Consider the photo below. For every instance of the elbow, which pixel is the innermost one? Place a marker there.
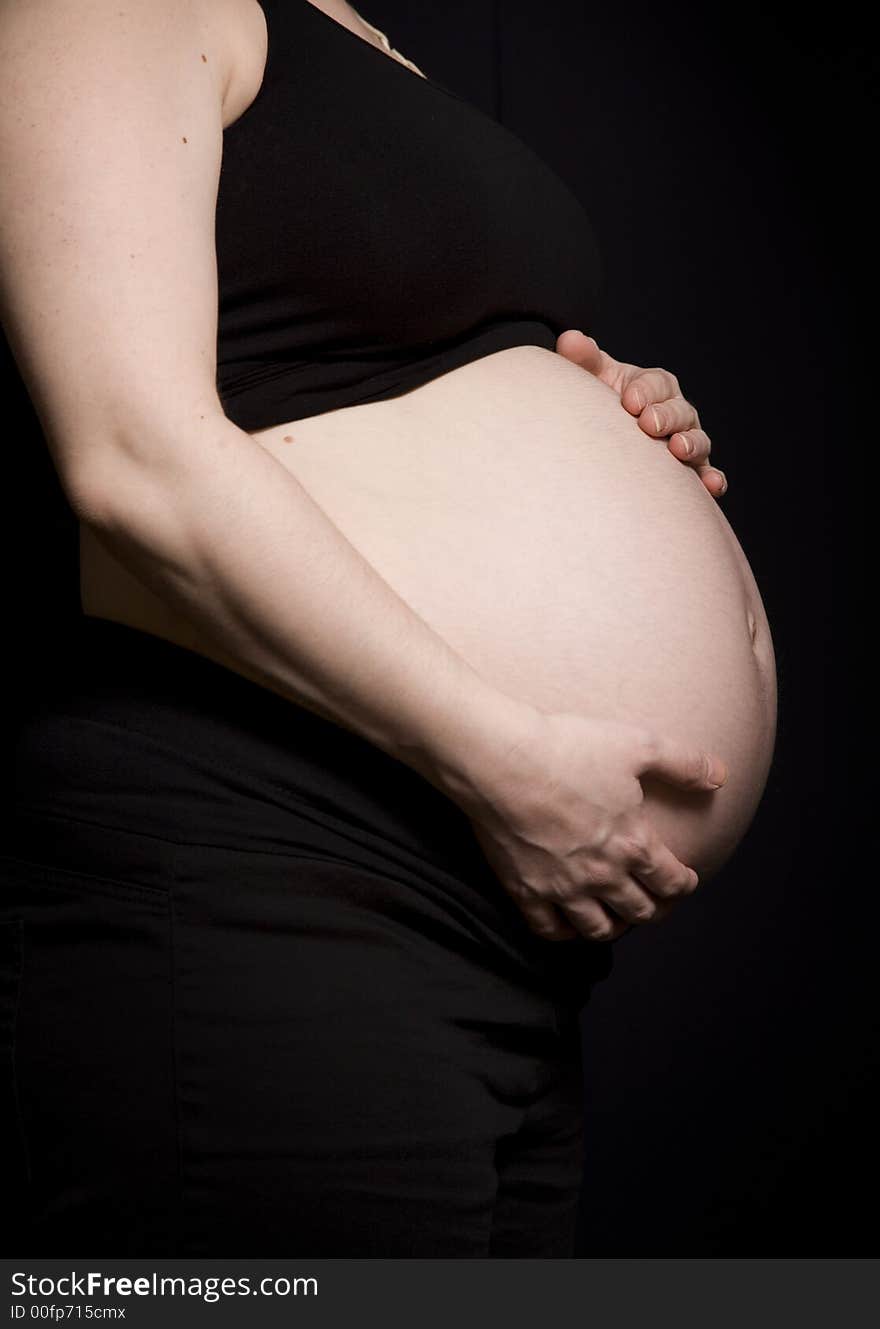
(119, 478)
(93, 492)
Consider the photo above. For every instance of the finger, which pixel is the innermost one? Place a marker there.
(630, 901)
(591, 920)
(545, 920)
(670, 417)
(582, 350)
(691, 445)
(714, 480)
(656, 869)
(648, 386)
(680, 764)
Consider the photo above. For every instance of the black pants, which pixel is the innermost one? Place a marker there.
(261, 994)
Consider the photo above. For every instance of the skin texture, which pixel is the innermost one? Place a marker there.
(467, 575)
(536, 527)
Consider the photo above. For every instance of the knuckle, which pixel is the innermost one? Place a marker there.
(643, 911)
(549, 931)
(558, 890)
(667, 883)
(684, 885)
(634, 846)
(599, 882)
(601, 835)
(543, 923)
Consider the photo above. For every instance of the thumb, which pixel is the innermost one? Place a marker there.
(682, 765)
(582, 350)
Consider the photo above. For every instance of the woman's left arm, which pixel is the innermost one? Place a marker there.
(653, 395)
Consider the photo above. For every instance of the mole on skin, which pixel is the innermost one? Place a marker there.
(288, 438)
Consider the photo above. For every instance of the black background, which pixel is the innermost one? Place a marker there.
(725, 157)
(724, 154)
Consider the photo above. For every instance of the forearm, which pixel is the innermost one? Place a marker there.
(222, 532)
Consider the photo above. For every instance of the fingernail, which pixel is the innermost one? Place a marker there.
(640, 399)
(688, 446)
(720, 775)
(723, 489)
(658, 421)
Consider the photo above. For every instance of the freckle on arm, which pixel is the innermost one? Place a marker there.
(288, 438)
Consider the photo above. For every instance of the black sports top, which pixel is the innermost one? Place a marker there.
(375, 230)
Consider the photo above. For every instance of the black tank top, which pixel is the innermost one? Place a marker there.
(375, 229)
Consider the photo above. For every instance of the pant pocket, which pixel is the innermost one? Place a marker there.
(63, 848)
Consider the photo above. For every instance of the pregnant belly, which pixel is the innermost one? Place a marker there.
(570, 558)
(567, 556)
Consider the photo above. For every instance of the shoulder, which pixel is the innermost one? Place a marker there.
(231, 35)
(238, 34)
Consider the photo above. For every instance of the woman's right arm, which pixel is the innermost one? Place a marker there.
(110, 148)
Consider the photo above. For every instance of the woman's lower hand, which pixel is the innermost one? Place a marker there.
(654, 397)
(562, 826)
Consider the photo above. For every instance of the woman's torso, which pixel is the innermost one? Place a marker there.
(571, 559)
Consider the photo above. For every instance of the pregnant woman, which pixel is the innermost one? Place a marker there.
(395, 699)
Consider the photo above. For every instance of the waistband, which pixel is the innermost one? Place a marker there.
(155, 740)
(200, 714)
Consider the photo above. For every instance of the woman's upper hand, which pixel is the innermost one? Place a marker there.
(561, 823)
(654, 397)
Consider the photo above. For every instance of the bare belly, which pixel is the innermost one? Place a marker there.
(566, 555)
